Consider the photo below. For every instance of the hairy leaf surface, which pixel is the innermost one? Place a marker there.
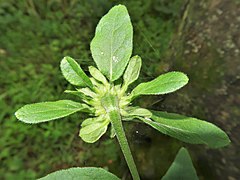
(46, 111)
(73, 73)
(181, 168)
(111, 46)
(86, 173)
(163, 84)
(188, 129)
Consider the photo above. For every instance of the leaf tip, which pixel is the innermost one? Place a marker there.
(19, 115)
(16, 114)
(225, 141)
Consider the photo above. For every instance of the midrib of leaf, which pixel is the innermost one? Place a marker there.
(111, 57)
(169, 128)
(60, 108)
(52, 110)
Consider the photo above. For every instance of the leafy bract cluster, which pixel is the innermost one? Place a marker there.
(111, 50)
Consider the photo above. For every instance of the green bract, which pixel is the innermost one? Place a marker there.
(109, 103)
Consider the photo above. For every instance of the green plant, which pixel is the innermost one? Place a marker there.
(108, 102)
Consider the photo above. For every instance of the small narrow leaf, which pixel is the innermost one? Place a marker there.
(74, 73)
(76, 93)
(137, 111)
(132, 72)
(97, 75)
(46, 111)
(187, 129)
(181, 168)
(163, 84)
(93, 128)
(87, 92)
(111, 46)
(86, 173)
(112, 132)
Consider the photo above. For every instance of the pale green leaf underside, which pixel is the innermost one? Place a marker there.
(163, 84)
(93, 128)
(46, 111)
(111, 46)
(73, 73)
(133, 69)
(187, 129)
(86, 173)
(182, 167)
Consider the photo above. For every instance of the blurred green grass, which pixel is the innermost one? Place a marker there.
(35, 36)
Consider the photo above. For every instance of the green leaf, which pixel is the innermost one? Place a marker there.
(74, 73)
(87, 92)
(86, 173)
(112, 132)
(163, 84)
(97, 75)
(93, 128)
(132, 72)
(137, 111)
(76, 93)
(188, 129)
(181, 168)
(46, 111)
(111, 46)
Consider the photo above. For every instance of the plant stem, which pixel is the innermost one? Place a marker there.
(118, 127)
(110, 103)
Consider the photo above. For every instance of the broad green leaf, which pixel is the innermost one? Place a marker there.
(132, 72)
(182, 167)
(93, 128)
(74, 73)
(97, 75)
(188, 129)
(163, 84)
(46, 111)
(111, 46)
(86, 173)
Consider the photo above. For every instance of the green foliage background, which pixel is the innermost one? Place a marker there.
(35, 36)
